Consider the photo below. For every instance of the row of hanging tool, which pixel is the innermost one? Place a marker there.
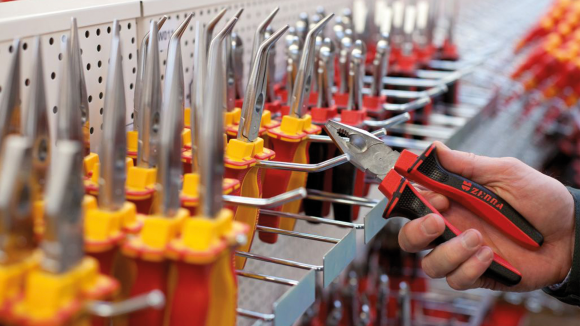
(155, 214)
(547, 78)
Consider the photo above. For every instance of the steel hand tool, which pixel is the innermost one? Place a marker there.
(259, 36)
(371, 155)
(232, 113)
(105, 226)
(56, 292)
(36, 129)
(242, 153)
(141, 140)
(289, 140)
(147, 249)
(206, 291)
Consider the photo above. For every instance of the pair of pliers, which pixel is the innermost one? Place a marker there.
(370, 154)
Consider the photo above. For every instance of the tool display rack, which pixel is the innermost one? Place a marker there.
(279, 281)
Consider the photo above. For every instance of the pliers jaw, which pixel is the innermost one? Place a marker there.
(363, 149)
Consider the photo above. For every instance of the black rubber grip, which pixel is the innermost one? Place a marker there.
(408, 203)
(427, 171)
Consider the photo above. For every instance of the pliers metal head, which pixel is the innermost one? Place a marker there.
(211, 149)
(113, 149)
(303, 82)
(35, 126)
(363, 149)
(79, 75)
(166, 202)
(149, 115)
(142, 62)
(254, 99)
(16, 201)
(62, 244)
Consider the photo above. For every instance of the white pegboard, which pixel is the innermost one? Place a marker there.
(51, 24)
(26, 19)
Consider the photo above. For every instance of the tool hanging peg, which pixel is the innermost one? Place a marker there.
(106, 226)
(242, 153)
(10, 105)
(289, 140)
(148, 249)
(138, 146)
(36, 129)
(205, 291)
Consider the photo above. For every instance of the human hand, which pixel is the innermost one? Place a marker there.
(542, 200)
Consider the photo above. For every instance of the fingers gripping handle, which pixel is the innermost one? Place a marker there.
(427, 171)
(404, 200)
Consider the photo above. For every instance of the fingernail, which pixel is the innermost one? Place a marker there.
(430, 225)
(470, 239)
(485, 254)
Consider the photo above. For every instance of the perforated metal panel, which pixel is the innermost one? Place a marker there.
(95, 19)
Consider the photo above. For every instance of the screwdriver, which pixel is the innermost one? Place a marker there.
(289, 140)
(104, 225)
(36, 129)
(79, 69)
(148, 248)
(141, 116)
(140, 183)
(205, 291)
(242, 153)
(55, 293)
(18, 254)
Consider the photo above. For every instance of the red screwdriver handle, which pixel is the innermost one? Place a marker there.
(404, 200)
(190, 303)
(149, 276)
(427, 171)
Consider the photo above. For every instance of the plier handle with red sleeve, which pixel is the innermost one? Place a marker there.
(397, 170)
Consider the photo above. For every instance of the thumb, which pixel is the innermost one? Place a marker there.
(480, 169)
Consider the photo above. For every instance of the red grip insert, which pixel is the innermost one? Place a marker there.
(426, 170)
(404, 200)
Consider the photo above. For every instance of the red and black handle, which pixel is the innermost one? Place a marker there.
(405, 201)
(427, 171)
